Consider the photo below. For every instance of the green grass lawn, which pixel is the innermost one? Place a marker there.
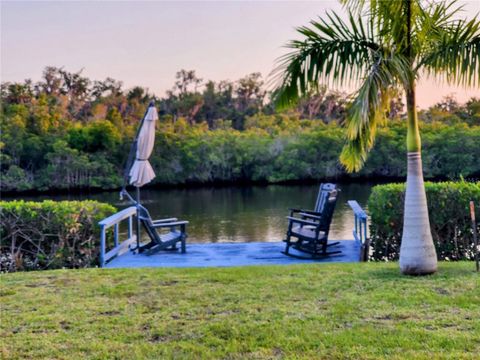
(353, 311)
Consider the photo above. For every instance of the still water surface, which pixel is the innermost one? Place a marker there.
(237, 214)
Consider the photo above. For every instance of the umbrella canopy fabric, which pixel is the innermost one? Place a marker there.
(141, 171)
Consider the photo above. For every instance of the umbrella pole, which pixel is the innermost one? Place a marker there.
(138, 218)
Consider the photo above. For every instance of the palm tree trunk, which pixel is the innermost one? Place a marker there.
(417, 252)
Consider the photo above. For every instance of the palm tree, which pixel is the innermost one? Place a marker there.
(385, 46)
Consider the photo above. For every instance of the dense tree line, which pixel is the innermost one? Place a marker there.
(67, 131)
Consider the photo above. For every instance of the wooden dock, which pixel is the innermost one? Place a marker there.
(230, 254)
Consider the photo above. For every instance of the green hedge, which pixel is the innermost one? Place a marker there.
(50, 234)
(448, 208)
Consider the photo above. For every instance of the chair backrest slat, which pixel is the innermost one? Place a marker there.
(323, 194)
(147, 223)
(144, 215)
(328, 210)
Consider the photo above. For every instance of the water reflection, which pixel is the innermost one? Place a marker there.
(239, 214)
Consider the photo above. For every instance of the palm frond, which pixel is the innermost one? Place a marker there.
(438, 15)
(369, 108)
(390, 18)
(453, 55)
(333, 52)
(434, 20)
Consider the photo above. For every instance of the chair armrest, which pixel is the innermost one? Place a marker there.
(312, 212)
(311, 216)
(170, 224)
(301, 221)
(164, 220)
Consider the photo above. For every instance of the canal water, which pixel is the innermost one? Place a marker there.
(237, 214)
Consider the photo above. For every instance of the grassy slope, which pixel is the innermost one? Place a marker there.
(305, 311)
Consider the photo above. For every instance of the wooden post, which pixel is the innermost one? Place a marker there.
(474, 229)
(130, 226)
(364, 230)
(115, 234)
(356, 223)
(102, 246)
(138, 219)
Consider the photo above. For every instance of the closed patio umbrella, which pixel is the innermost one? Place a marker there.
(141, 172)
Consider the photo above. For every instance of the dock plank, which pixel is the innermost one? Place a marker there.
(229, 254)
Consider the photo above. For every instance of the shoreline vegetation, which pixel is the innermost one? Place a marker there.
(68, 133)
(10, 195)
(14, 195)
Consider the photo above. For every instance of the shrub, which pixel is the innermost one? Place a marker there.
(272, 148)
(16, 178)
(50, 234)
(448, 208)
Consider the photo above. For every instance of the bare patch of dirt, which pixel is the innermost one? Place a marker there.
(65, 325)
(442, 291)
(168, 283)
(109, 313)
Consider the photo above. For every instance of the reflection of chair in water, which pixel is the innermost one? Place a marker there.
(311, 227)
(175, 232)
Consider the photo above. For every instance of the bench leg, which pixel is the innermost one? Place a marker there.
(287, 248)
(184, 245)
(287, 244)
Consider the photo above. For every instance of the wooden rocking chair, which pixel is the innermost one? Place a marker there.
(309, 228)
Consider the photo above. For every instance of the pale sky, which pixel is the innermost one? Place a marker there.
(146, 43)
